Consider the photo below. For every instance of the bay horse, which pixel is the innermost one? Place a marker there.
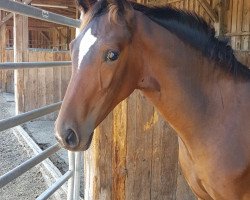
(190, 76)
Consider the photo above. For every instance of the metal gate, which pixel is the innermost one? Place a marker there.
(73, 174)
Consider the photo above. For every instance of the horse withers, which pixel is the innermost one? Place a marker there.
(189, 75)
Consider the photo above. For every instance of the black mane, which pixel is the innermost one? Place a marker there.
(193, 30)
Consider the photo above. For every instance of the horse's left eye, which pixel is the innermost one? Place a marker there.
(111, 56)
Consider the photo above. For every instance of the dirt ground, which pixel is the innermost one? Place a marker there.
(31, 184)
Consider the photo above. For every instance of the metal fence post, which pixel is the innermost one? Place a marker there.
(77, 175)
(70, 195)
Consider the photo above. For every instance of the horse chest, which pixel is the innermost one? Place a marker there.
(190, 173)
(213, 180)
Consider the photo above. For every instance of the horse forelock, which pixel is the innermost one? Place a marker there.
(114, 10)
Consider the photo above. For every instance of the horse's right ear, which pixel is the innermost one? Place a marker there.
(85, 5)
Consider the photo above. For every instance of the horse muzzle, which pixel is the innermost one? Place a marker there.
(73, 139)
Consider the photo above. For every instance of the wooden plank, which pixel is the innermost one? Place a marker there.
(45, 35)
(65, 76)
(3, 52)
(191, 5)
(234, 22)
(243, 57)
(164, 160)
(98, 163)
(35, 39)
(219, 26)
(57, 78)
(119, 171)
(239, 24)
(209, 10)
(246, 16)
(197, 7)
(174, 2)
(105, 159)
(49, 75)
(238, 34)
(181, 5)
(55, 39)
(91, 174)
(41, 83)
(20, 55)
(31, 77)
(131, 143)
(57, 81)
(139, 149)
(186, 4)
(246, 25)
(202, 12)
(228, 17)
(8, 75)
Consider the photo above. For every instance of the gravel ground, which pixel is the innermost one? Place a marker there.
(12, 153)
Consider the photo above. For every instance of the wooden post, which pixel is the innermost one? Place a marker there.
(246, 27)
(20, 55)
(220, 24)
(2, 54)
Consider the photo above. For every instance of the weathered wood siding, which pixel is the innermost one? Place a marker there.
(237, 20)
(6, 76)
(40, 86)
(243, 57)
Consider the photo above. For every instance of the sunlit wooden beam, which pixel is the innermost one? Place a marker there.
(209, 10)
(49, 6)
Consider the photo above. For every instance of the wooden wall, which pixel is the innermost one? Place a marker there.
(41, 86)
(237, 24)
(243, 57)
(6, 76)
(46, 85)
(191, 5)
(56, 38)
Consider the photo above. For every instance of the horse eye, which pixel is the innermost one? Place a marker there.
(111, 56)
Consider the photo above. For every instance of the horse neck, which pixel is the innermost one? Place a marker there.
(184, 86)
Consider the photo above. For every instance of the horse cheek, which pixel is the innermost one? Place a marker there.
(105, 78)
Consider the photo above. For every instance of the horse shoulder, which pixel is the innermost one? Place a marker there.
(188, 169)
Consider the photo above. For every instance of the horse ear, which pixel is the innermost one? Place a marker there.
(121, 4)
(124, 8)
(85, 5)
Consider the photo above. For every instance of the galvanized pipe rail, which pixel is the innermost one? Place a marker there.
(47, 193)
(74, 158)
(23, 65)
(30, 11)
(27, 165)
(28, 116)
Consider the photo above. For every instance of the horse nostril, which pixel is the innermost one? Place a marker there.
(71, 138)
